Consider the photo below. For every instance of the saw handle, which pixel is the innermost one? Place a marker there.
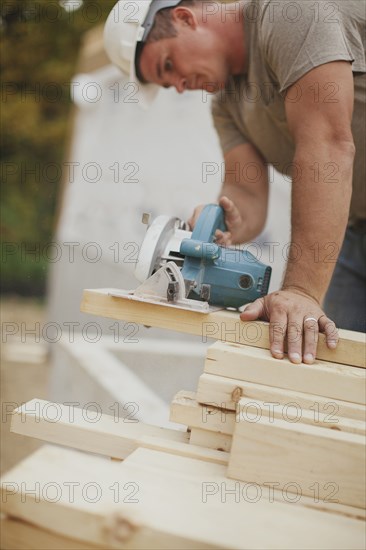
(211, 218)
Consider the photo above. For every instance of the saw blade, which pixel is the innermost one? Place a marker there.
(155, 242)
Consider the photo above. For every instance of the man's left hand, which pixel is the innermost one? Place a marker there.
(296, 317)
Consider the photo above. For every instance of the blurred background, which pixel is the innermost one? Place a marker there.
(81, 162)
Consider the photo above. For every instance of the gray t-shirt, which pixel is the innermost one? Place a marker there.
(285, 40)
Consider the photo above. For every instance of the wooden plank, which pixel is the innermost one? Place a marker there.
(211, 440)
(300, 457)
(111, 504)
(221, 325)
(257, 365)
(20, 535)
(183, 449)
(225, 393)
(105, 434)
(155, 462)
(185, 409)
(171, 509)
(250, 409)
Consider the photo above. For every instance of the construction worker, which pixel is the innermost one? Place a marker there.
(289, 79)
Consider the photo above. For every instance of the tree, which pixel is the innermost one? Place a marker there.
(40, 41)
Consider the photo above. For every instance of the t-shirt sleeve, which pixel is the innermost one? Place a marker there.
(230, 135)
(299, 36)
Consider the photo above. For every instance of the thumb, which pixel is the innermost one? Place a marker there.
(253, 311)
(227, 205)
(232, 214)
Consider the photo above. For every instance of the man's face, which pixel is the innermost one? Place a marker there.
(190, 61)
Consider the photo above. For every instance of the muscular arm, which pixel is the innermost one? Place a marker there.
(244, 196)
(322, 191)
(320, 205)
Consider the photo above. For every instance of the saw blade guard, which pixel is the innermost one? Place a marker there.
(161, 245)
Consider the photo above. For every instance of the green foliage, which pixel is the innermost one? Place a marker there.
(40, 43)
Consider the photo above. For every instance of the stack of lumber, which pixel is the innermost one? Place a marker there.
(272, 455)
(300, 428)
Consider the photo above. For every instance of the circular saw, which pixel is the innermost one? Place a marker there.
(187, 269)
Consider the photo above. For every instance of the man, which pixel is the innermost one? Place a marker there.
(290, 83)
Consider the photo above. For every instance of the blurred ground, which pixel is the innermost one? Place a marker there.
(24, 371)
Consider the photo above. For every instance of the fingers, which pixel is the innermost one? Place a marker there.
(311, 337)
(223, 238)
(232, 215)
(303, 337)
(253, 311)
(294, 339)
(327, 326)
(290, 323)
(226, 204)
(277, 334)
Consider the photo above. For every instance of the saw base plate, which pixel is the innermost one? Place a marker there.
(197, 307)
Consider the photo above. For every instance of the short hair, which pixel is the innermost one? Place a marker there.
(163, 27)
(163, 23)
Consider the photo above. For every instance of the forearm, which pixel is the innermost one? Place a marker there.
(250, 196)
(321, 195)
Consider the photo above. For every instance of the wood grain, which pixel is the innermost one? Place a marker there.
(221, 325)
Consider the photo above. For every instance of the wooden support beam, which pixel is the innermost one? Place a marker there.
(300, 458)
(257, 365)
(21, 535)
(185, 410)
(155, 462)
(252, 410)
(106, 435)
(171, 507)
(195, 451)
(111, 504)
(211, 440)
(225, 393)
(221, 325)
(207, 419)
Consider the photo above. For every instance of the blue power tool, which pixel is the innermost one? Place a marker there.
(190, 270)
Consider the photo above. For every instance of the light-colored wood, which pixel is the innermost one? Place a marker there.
(250, 409)
(107, 435)
(124, 508)
(171, 509)
(20, 535)
(184, 467)
(225, 393)
(220, 325)
(210, 439)
(187, 468)
(185, 410)
(257, 365)
(183, 449)
(300, 457)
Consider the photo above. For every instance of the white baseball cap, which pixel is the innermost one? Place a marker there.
(126, 29)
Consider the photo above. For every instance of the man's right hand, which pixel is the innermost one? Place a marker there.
(233, 221)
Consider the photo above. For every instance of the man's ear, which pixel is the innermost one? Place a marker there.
(184, 16)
